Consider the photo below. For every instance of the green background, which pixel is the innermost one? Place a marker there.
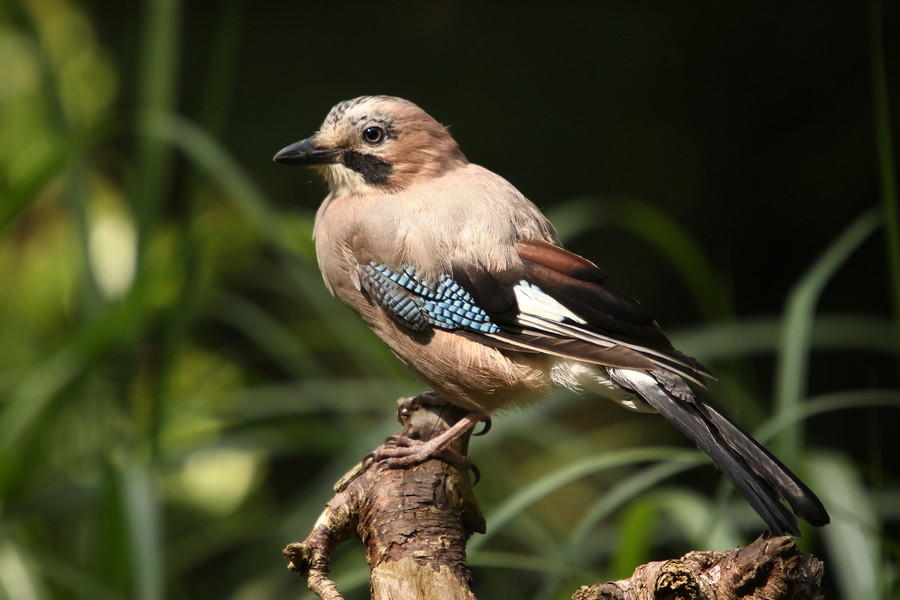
(178, 391)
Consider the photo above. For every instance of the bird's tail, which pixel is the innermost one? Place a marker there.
(761, 477)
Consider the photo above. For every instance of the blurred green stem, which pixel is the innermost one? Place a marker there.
(215, 109)
(792, 368)
(144, 527)
(46, 381)
(885, 153)
(77, 181)
(156, 85)
(156, 95)
(665, 234)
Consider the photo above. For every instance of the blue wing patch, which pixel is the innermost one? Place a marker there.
(420, 304)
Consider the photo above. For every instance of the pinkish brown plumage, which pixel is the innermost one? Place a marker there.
(465, 280)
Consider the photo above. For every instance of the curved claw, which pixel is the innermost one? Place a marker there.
(476, 472)
(485, 428)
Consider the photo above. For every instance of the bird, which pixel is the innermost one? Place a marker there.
(467, 283)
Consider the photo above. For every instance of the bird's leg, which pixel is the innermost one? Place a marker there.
(404, 450)
(430, 398)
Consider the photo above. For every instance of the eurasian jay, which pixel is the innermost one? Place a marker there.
(466, 282)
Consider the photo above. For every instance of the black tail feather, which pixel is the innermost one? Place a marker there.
(763, 479)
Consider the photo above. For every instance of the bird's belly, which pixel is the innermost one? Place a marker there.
(480, 377)
(465, 372)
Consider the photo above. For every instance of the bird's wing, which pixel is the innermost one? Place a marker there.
(568, 296)
(559, 304)
(421, 302)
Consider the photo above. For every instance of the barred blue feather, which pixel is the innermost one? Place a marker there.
(420, 303)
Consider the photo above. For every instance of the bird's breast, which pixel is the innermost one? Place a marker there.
(432, 229)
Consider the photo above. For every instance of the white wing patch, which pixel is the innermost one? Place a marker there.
(541, 312)
(533, 302)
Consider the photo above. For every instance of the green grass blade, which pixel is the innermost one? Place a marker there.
(557, 479)
(667, 509)
(20, 195)
(672, 241)
(76, 180)
(855, 534)
(635, 537)
(793, 355)
(180, 317)
(625, 491)
(145, 531)
(697, 515)
(684, 254)
(761, 335)
(156, 91)
(271, 336)
(224, 52)
(846, 400)
(208, 154)
(156, 94)
(507, 560)
(42, 384)
(77, 581)
(885, 154)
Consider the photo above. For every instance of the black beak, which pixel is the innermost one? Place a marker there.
(306, 153)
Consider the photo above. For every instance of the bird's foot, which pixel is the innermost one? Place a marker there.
(403, 450)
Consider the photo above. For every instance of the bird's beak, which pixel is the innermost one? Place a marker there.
(306, 152)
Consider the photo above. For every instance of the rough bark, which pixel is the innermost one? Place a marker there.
(415, 521)
(767, 569)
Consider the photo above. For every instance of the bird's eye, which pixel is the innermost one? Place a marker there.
(373, 135)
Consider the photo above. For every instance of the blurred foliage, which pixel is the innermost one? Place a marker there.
(178, 391)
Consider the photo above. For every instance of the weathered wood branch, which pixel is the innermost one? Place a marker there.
(415, 522)
(767, 569)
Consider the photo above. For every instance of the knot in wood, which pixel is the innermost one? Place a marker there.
(676, 582)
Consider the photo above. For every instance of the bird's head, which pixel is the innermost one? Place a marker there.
(376, 144)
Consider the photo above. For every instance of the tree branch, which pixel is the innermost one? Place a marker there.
(767, 569)
(415, 522)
